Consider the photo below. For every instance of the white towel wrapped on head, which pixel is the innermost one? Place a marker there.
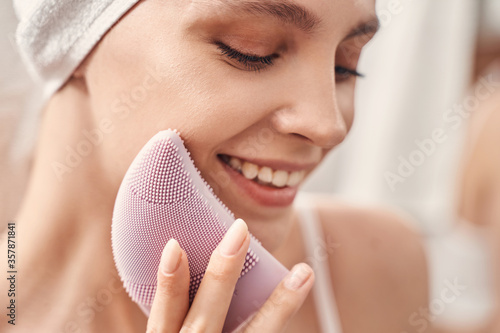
(54, 36)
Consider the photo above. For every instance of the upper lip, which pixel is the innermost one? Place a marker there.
(278, 164)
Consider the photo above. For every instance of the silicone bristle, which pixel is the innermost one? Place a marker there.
(160, 198)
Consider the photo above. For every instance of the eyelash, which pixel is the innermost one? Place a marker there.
(346, 73)
(256, 63)
(251, 62)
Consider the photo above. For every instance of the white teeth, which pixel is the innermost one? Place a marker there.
(249, 170)
(295, 178)
(266, 174)
(235, 163)
(280, 178)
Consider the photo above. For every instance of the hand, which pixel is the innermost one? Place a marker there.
(170, 312)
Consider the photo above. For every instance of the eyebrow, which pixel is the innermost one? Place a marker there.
(286, 12)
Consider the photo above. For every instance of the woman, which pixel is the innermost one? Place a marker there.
(269, 85)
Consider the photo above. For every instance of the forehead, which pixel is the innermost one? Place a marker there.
(342, 16)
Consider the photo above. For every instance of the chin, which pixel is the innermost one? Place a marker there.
(269, 226)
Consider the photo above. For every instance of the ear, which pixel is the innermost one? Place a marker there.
(79, 76)
(80, 71)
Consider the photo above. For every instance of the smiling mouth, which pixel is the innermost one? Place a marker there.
(264, 175)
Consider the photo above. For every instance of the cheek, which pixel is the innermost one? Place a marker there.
(144, 85)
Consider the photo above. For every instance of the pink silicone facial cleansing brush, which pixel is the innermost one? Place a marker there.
(163, 196)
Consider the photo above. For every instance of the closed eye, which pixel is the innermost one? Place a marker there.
(343, 73)
(251, 62)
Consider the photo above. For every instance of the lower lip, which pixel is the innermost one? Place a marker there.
(263, 195)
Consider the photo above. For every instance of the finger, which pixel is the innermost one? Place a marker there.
(171, 300)
(210, 305)
(284, 302)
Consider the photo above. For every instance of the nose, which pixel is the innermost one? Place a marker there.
(311, 111)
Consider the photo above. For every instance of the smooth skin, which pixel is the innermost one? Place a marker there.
(160, 67)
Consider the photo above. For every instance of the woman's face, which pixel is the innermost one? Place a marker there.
(266, 86)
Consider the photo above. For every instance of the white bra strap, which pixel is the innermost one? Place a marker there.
(317, 253)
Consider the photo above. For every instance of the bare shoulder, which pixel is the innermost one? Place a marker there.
(378, 265)
(381, 230)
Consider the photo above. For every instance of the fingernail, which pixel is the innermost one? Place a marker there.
(171, 257)
(298, 276)
(234, 238)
